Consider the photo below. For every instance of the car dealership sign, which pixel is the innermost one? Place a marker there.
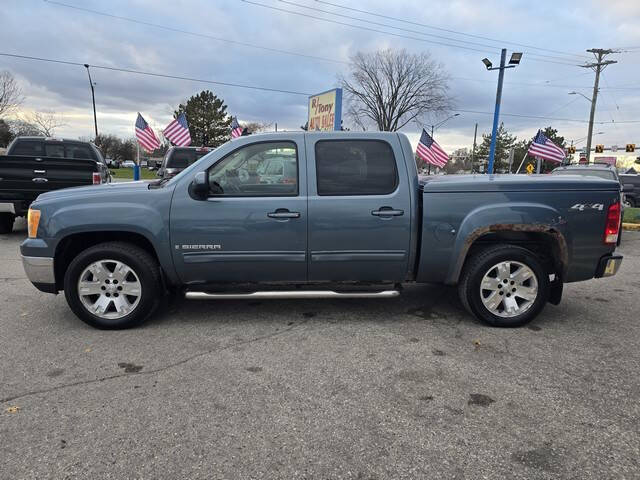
(325, 110)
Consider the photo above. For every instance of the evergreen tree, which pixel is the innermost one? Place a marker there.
(504, 142)
(206, 114)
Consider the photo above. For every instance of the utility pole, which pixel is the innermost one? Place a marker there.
(598, 66)
(93, 98)
(473, 151)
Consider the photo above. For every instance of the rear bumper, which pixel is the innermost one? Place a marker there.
(16, 207)
(608, 265)
(40, 272)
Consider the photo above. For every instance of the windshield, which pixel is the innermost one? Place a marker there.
(606, 174)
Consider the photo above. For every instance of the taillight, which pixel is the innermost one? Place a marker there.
(612, 227)
(97, 179)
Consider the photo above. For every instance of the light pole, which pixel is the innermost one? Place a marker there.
(93, 98)
(513, 62)
(438, 125)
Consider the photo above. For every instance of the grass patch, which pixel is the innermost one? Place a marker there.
(631, 215)
(127, 173)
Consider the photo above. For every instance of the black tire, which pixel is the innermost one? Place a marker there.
(631, 201)
(143, 264)
(480, 263)
(6, 222)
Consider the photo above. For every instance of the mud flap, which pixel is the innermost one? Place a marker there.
(555, 290)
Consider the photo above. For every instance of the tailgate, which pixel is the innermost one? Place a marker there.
(27, 177)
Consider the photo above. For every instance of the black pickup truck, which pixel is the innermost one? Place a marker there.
(34, 165)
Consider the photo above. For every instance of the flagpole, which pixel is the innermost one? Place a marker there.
(136, 167)
(523, 158)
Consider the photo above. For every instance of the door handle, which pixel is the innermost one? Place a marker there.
(283, 213)
(39, 180)
(387, 212)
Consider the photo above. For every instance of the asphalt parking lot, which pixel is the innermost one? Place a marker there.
(410, 387)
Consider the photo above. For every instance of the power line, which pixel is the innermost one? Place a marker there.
(449, 30)
(543, 117)
(253, 87)
(386, 25)
(153, 74)
(194, 34)
(361, 27)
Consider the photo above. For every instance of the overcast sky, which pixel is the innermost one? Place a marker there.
(538, 87)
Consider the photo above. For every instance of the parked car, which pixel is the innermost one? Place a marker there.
(179, 158)
(355, 222)
(278, 169)
(128, 164)
(34, 165)
(631, 188)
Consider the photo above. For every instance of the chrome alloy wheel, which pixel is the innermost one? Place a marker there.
(109, 289)
(509, 289)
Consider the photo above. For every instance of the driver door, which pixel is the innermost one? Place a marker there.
(247, 230)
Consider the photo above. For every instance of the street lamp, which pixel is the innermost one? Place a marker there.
(582, 95)
(438, 125)
(513, 62)
(93, 98)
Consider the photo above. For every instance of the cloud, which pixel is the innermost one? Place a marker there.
(85, 37)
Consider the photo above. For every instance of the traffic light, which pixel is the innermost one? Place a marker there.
(571, 149)
(631, 147)
(599, 148)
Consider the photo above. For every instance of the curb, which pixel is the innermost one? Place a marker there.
(631, 226)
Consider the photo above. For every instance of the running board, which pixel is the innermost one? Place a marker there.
(291, 294)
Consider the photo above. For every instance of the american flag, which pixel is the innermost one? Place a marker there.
(145, 135)
(236, 129)
(178, 131)
(544, 148)
(429, 151)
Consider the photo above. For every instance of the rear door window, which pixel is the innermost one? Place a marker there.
(54, 150)
(78, 150)
(355, 167)
(31, 148)
(181, 159)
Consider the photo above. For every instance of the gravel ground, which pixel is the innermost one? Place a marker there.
(410, 387)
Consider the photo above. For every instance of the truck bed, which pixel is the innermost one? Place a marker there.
(23, 178)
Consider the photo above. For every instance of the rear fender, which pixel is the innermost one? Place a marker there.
(511, 217)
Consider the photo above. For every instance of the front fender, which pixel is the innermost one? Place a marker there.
(513, 217)
(129, 217)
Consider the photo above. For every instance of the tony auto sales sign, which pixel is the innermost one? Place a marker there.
(325, 110)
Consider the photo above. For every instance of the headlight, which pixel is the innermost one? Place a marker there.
(33, 219)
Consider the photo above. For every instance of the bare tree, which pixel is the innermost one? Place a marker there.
(391, 88)
(255, 127)
(10, 93)
(46, 122)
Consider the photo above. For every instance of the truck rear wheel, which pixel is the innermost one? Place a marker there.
(113, 285)
(504, 286)
(6, 222)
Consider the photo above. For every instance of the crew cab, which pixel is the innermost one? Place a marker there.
(34, 165)
(353, 221)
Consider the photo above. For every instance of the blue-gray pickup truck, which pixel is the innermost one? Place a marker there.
(346, 215)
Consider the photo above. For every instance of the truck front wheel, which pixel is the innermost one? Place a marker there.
(113, 285)
(504, 286)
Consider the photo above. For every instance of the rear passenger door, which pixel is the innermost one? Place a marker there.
(359, 209)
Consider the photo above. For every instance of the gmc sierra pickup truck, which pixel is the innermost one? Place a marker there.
(34, 165)
(353, 220)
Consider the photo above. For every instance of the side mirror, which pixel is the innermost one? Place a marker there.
(160, 172)
(200, 185)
